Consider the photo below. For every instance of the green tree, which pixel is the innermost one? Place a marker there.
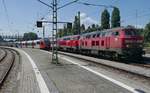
(130, 26)
(82, 28)
(105, 18)
(1, 39)
(65, 31)
(93, 27)
(76, 26)
(98, 27)
(69, 28)
(115, 18)
(88, 29)
(147, 33)
(30, 36)
(60, 33)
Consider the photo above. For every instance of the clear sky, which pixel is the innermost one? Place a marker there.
(23, 14)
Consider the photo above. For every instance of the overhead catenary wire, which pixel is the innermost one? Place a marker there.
(67, 4)
(135, 18)
(99, 5)
(6, 12)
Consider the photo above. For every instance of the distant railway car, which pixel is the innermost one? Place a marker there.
(23, 44)
(42, 44)
(45, 43)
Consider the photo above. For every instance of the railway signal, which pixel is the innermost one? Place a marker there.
(54, 26)
(39, 24)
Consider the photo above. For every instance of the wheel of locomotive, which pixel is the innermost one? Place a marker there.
(117, 57)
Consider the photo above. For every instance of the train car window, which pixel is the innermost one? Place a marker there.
(33, 44)
(42, 43)
(86, 43)
(82, 43)
(102, 43)
(86, 36)
(76, 38)
(98, 35)
(89, 36)
(103, 34)
(127, 32)
(106, 34)
(94, 35)
(116, 33)
(110, 33)
(97, 43)
(93, 43)
(131, 32)
(38, 42)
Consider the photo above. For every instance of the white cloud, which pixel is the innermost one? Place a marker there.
(86, 20)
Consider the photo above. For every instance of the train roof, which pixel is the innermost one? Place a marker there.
(71, 36)
(107, 30)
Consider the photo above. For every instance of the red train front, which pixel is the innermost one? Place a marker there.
(118, 42)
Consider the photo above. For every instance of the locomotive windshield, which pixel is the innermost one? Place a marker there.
(131, 32)
(47, 41)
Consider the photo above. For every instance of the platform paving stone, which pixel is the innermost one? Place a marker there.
(26, 79)
(70, 78)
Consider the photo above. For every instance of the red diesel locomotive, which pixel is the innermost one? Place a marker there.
(116, 43)
(69, 43)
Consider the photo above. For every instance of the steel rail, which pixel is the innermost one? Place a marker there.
(10, 64)
(2, 56)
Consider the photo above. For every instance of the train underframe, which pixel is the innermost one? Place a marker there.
(115, 54)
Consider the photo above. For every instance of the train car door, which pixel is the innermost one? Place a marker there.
(107, 35)
(116, 39)
(33, 44)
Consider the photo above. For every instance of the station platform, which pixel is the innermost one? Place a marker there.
(38, 75)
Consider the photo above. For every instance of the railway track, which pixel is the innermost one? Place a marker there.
(145, 63)
(134, 68)
(7, 58)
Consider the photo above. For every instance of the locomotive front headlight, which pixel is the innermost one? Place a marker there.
(127, 45)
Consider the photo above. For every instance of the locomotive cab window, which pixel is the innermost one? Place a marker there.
(103, 34)
(130, 32)
(98, 35)
(94, 35)
(116, 33)
(38, 43)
